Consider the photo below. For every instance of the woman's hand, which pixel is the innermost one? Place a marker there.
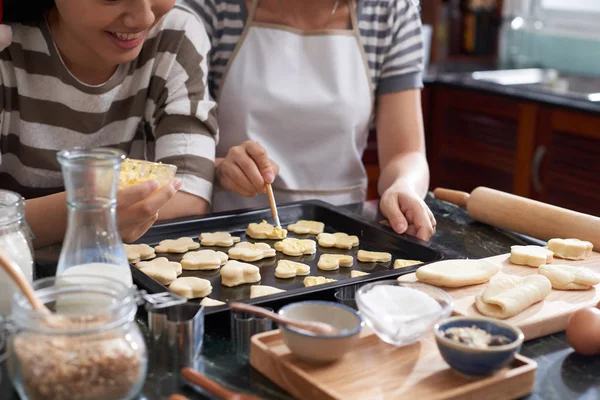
(247, 169)
(138, 205)
(407, 212)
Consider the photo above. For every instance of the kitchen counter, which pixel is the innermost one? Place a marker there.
(561, 373)
(459, 75)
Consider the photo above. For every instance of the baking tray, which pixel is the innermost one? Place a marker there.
(373, 237)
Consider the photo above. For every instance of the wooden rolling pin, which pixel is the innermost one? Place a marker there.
(525, 216)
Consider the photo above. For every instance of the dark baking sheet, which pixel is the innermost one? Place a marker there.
(373, 237)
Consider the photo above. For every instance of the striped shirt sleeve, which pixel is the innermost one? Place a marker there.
(402, 66)
(184, 119)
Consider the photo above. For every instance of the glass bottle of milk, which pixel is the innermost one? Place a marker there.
(92, 244)
(15, 243)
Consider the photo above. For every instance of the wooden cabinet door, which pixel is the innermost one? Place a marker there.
(474, 140)
(566, 160)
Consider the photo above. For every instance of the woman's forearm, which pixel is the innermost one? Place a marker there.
(47, 218)
(183, 205)
(406, 169)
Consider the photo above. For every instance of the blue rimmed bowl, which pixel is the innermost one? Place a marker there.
(478, 361)
(314, 348)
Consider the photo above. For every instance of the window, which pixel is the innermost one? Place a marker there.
(573, 17)
(572, 5)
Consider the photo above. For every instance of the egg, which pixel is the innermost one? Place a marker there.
(583, 331)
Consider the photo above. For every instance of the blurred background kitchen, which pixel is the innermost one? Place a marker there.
(512, 98)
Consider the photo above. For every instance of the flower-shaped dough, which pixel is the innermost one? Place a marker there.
(235, 273)
(338, 239)
(571, 249)
(373, 256)
(296, 247)
(264, 230)
(160, 269)
(191, 287)
(202, 260)
(531, 256)
(331, 262)
(304, 227)
(249, 252)
(180, 245)
(290, 269)
(219, 239)
(138, 252)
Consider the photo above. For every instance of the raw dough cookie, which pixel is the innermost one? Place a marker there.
(261, 290)
(264, 230)
(208, 302)
(236, 273)
(402, 263)
(531, 256)
(570, 249)
(248, 252)
(508, 295)
(180, 245)
(290, 269)
(456, 273)
(356, 274)
(316, 280)
(191, 287)
(296, 247)
(567, 277)
(338, 239)
(331, 262)
(160, 269)
(138, 252)
(373, 256)
(219, 239)
(203, 260)
(303, 227)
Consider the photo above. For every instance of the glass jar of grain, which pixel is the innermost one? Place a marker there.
(91, 349)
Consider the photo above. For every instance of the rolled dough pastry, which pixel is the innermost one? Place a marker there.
(235, 273)
(508, 295)
(208, 302)
(180, 245)
(316, 280)
(331, 262)
(296, 247)
(290, 269)
(571, 249)
(138, 252)
(457, 273)
(202, 260)
(356, 274)
(264, 230)
(373, 256)
(567, 277)
(261, 290)
(219, 239)
(248, 252)
(304, 227)
(531, 256)
(160, 269)
(191, 287)
(401, 263)
(339, 239)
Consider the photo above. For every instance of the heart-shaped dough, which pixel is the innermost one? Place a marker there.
(373, 256)
(290, 269)
(203, 260)
(531, 256)
(191, 287)
(296, 247)
(235, 273)
(181, 245)
(264, 230)
(219, 239)
(138, 252)
(304, 227)
(331, 262)
(339, 240)
(249, 252)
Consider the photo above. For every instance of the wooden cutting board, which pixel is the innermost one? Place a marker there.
(541, 319)
(377, 370)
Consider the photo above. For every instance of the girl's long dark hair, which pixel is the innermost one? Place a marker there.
(26, 11)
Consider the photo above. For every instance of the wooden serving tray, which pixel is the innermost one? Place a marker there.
(377, 370)
(541, 319)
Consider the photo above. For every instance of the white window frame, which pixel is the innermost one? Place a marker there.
(578, 23)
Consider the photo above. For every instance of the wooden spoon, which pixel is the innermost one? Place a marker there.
(320, 328)
(212, 387)
(15, 273)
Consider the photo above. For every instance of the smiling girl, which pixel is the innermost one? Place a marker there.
(129, 74)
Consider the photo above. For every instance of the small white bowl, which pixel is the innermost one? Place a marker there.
(398, 323)
(314, 348)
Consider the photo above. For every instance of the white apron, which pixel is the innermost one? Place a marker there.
(306, 97)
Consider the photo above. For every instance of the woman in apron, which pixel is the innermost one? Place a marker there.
(299, 83)
(125, 74)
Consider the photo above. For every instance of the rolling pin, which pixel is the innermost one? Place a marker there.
(525, 216)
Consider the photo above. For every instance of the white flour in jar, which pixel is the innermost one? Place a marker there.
(15, 245)
(396, 306)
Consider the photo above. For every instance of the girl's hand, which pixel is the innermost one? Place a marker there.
(407, 212)
(247, 169)
(138, 205)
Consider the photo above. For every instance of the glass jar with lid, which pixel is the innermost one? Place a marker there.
(15, 241)
(90, 348)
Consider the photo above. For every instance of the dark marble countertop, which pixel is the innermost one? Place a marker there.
(561, 374)
(459, 75)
